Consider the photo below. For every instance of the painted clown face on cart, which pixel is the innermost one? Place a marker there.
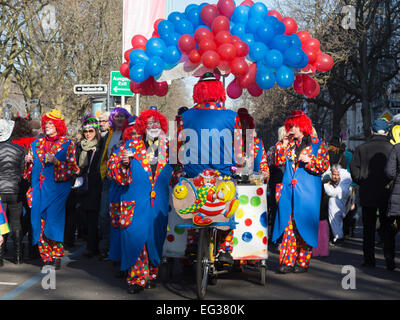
(153, 128)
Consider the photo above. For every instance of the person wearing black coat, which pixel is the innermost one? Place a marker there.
(368, 171)
(11, 169)
(393, 172)
(86, 190)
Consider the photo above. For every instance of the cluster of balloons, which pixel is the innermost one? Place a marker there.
(259, 47)
(149, 87)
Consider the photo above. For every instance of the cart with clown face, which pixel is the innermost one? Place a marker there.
(240, 207)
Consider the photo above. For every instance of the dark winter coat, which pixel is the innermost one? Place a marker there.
(368, 171)
(393, 173)
(12, 161)
(91, 199)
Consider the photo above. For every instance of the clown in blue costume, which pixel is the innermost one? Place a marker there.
(50, 165)
(142, 166)
(305, 159)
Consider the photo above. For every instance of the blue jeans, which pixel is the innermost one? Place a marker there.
(104, 215)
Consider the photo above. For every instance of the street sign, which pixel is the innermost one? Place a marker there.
(119, 85)
(90, 89)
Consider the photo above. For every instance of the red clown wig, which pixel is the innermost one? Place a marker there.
(299, 119)
(208, 89)
(141, 122)
(57, 119)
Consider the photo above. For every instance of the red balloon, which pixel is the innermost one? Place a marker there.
(324, 62)
(124, 69)
(221, 23)
(186, 43)
(135, 87)
(139, 42)
(227, 51)
(155, 34)
(242, 48)
(249, 78)
(206, 45)
(298, 84)
(316, 91)
(126, 54)
(224, 66)
(210, 59)
(309, 85)
(234, 91)
(247, 3)
(156, 23)
(223, 37)
(312, 43)
(194, 56)
(208, 14)
(290, 24)
(304, 36)
(235, 39)
(255, 90)
(311, 53)
(239, 67)
(226, 7)
(276, 14)
(203, 33)
(161, 89)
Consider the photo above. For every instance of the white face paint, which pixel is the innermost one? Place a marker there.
(153, 133)
(50, 129)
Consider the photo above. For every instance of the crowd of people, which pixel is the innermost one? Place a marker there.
(111, 186)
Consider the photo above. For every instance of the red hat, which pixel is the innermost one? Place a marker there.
(299, 119)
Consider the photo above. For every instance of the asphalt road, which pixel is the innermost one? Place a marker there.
(82, 278)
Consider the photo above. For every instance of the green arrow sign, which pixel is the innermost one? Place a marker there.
(119, 85)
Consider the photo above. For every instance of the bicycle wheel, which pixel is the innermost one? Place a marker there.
(202, 264)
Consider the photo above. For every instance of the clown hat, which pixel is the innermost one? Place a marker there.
(55, 114)
(90, 121)
(209, 76)
(132, 121)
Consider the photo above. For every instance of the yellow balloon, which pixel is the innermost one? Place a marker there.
(228, 190)
(180, 192)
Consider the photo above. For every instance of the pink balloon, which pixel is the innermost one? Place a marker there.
(139, 42)
(247, 3)
(255, 90)
(226, 7)
(290, 24)
(234, 91)
(124, 69)
(208, 14)
(276, 14)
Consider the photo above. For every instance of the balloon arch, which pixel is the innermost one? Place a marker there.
(259, 47)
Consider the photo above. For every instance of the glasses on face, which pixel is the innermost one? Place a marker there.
(153, 124)
(103, 121)
(88, 131)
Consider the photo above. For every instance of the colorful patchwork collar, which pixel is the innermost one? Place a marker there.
(210, 106)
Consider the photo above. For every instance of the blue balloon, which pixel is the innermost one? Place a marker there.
(248, 38)
(190, 7)
(184, 26)
(253, 24)
(257, 51)
(266, 33)
(293, 57)
(138, 56)
(194, 16)
(155, 47)
(137, 73)
(155, 66)
(172, 39)
(304, 62)
(241, 14)
(284, 77)
(258, 9)
(280, 27)
(271, 20)
(265, 78)
(165, 28)
(175, 16)
(172, 55)
(280, 42)
(273, 59)
(239, 29)
(295, 41)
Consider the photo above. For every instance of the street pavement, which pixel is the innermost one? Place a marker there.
(82, 278)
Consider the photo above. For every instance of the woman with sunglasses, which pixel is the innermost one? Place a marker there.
(88, 194)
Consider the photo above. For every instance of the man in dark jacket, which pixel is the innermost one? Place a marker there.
(368, 171)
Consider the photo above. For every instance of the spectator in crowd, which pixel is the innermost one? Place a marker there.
(104, 123)
(368, 171)
(50, 166)
(393, 172)
(338, 189)
(11, 169)
(113, 137)
(337, 152)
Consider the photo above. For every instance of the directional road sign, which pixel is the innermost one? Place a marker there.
(119, 85)
(90, 89)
